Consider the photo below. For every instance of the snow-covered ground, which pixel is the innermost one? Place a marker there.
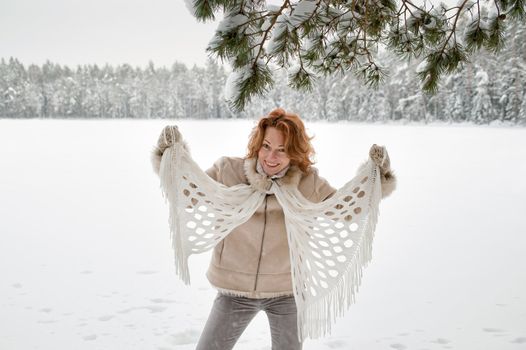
(86, 261)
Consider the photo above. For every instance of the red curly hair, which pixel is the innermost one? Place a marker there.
(297, 144)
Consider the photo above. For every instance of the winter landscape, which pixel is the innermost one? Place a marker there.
(86, 260)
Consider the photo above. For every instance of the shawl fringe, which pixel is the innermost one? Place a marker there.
(168, 165)
(319, 316)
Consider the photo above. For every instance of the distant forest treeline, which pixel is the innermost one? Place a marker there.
(491, 88)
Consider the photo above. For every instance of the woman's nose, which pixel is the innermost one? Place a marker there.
(274, 154)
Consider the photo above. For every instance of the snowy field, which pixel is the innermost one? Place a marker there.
(86, 261)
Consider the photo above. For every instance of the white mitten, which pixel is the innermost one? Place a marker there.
(169, 135)
(380, 156)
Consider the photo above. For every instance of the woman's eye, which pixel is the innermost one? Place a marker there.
(281, 150)
(265, 146)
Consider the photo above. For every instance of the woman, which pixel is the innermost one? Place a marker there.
(251, 267)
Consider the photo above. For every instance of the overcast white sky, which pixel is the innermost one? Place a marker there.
(102, 31)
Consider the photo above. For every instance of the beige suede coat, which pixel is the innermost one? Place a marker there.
(253, 260)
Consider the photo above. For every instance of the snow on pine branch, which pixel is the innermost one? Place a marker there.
(337, 36)
(303, 11)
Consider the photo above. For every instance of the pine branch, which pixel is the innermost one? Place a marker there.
(330, 36)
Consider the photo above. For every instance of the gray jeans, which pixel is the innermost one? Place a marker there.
(231, 315)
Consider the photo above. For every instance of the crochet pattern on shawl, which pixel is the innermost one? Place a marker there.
(330, 242)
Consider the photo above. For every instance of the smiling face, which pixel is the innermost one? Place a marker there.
(272, 155)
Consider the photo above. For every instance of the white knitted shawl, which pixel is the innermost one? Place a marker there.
(330, 242)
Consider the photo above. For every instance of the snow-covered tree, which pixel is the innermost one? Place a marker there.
(482, 111)
(522, 115)
(215, 80)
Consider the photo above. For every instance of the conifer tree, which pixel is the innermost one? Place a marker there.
(482, 110)
(312, 38)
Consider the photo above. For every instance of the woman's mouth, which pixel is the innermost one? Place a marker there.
(271, 165)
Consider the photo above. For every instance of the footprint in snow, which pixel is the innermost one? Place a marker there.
(495, 331)
(398, 346)
(336, 344)
(162, 301)
(90, 337)
(520, 340)
(187, 337)
(440, 341)
(105, 318)
(155, 309)
(152, 308)
(46, 321)
(17, 285)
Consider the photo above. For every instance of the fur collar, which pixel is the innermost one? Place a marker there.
(263, 183)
